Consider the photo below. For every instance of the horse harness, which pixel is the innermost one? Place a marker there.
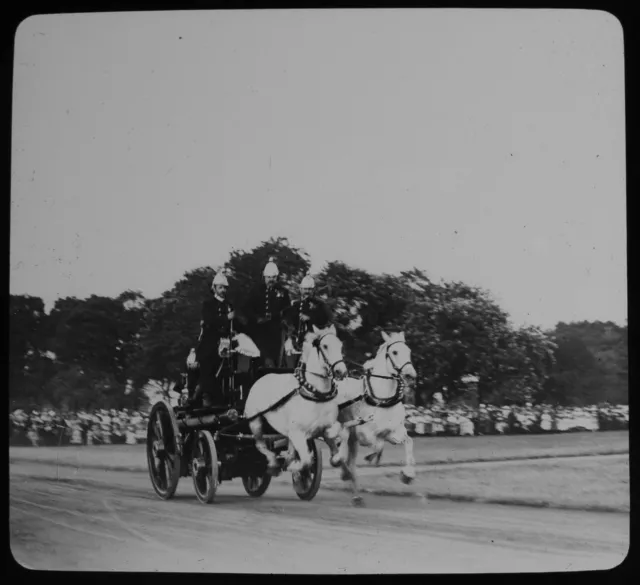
(306, 390)
(370, 398)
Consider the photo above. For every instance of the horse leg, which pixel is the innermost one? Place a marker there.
(369, 439)
(348, 453)
(374, 457)
(408, 472)
(256, 429)
(334, 436)
(291, 454)
(345, 454)
(349, 468)
(299, 441)
(376, 454)
(334, 450)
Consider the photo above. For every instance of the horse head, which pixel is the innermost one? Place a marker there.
(397, 357)
(328, 352)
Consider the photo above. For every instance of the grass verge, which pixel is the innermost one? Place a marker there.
(601, 484)
(427, 450)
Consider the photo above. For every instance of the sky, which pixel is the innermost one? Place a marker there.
(486, 146)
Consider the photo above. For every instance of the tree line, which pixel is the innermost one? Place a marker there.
(102, 351)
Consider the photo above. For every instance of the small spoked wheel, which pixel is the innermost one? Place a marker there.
(163, 452)
(306, 483)
(256, 485)
(204, 467)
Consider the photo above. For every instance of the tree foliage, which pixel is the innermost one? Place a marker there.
(104, 351)
(245, 267)
(591, 364)
(28, 362)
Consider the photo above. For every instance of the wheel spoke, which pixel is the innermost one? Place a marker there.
(204, 466)
(160, 476)
(163, 458)
(159, 429)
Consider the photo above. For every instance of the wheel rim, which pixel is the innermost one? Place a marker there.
(202, 466)
(254, 483)
(162, 455)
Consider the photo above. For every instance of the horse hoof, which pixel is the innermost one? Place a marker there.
(357, 502)
(346, 475)
(406, 479)
(369, 458)
(273, 471)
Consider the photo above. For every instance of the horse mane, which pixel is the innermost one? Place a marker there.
(306, 345)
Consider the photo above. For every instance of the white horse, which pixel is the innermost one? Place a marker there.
(311, 411)
(372, 409)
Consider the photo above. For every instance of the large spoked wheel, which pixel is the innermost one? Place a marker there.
(163, 450)
(257, 485)
(307, 483)
(204, 467)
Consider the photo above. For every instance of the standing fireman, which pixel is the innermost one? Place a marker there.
(267, 306)
(303, 315)
(217, 318)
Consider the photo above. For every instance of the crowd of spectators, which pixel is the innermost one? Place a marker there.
(52, 428)
(496, 420)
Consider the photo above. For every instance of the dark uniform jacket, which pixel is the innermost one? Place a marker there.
(265, 311)
(215, 326)
(319, 315)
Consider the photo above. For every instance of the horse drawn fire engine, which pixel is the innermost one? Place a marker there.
(214, 443)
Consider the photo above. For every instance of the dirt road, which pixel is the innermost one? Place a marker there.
(69, 519)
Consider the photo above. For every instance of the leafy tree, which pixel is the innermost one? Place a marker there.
(246, 267)
(362, 304)
(526, 366)
(455, 330)
(172, 322)
(72, 388)
(28, 361)
(591, 364)
(171, 327)
(88, 335)
(100, 345)
(99, 337)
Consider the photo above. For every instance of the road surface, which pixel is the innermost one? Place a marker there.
(68, 519)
